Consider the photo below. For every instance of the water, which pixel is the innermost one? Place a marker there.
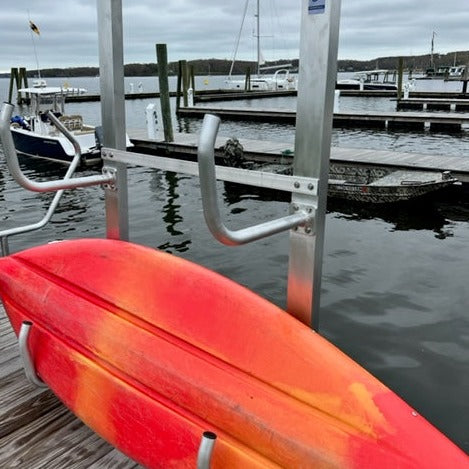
(394, 292)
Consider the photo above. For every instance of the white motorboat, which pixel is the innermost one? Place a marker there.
(35, 135)
(281, 80)
(370, 80)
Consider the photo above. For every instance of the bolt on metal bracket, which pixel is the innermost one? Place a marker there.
(309, 210)
(110, 173)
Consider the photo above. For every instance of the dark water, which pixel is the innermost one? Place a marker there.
(394, 292)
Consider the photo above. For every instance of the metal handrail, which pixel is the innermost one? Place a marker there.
(5, 135)
(206, 161)
(55, 201)
(46, 186)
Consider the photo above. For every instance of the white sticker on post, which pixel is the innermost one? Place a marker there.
(316, 7)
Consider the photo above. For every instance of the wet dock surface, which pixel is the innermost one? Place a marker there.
(36, 429)
(415, 120)
(185, 145)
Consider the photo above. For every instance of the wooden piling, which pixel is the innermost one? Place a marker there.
(185, 82)
(399, 77)
(179, 86)
(465, 79)
(247, 80)
(162, 59)
(17, 76)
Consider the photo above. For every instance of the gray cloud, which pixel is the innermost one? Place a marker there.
(196, 29)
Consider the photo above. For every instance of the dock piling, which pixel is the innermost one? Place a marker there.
(17, 76)
(399, 77)
(162, 59)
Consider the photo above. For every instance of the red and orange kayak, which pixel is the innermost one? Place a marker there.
(150, 351)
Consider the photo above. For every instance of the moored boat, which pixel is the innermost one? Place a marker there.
(383, 185)
(35, 135)
(370, 80)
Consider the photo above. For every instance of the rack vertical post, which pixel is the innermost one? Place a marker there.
(316, 86)
(111, 67)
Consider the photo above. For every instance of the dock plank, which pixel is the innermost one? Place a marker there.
(430, 119)
(36, 429)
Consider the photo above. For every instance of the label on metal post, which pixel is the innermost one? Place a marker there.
(316, 7)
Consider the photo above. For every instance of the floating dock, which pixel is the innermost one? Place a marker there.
(393, 120)
(36, 429)
(231, 95)
(434, 104)
(185, 146)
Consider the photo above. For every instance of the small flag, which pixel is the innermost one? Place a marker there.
(34, 28)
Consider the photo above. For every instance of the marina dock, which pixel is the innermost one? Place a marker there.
(232, 95)
(415, 120)
(434, 104)
(36, 429)
(185, 145)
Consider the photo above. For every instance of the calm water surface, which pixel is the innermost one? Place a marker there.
(394, 292)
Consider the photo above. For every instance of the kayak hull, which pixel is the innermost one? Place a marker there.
(151, 350)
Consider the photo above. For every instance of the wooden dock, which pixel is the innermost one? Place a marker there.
(36, 430)
(390, 120)
(434, 104)
(232, 95)
(185, 145)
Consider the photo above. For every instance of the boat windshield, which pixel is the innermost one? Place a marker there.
(45, 99)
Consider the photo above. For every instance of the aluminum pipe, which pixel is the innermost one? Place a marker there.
(208, 189)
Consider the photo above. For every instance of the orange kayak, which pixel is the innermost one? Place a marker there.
(151, 350)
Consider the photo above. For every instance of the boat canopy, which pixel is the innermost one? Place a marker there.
(44, 90)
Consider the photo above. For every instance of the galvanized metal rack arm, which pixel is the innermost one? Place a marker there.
(209, 197)
(26, 358)
(47, 186)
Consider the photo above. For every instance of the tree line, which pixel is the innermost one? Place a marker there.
(222, 67)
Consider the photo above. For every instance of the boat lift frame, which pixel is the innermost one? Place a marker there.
(308, 184)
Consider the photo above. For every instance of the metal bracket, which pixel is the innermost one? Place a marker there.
(208, 190)
(111, 175)
(306, 228)
(25, 355)
(204, 455)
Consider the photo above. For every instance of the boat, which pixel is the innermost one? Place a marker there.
(153, 351)
(282, 79)
(383, 185)
(358, 183)
(35, 135)
(370, 80)
(457, 72)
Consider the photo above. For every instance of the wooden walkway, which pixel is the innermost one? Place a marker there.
(36, 430)
(414, 120)
(434, 104)
(277, 152)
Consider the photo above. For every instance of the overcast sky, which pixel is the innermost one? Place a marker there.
(208, 28)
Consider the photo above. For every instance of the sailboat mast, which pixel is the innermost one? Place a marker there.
(258, 39)
(432, 63)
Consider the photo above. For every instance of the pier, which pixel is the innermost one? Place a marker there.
(434, 104)
(36, 429)
(415, 120)
(185, 146)
(233, 95)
